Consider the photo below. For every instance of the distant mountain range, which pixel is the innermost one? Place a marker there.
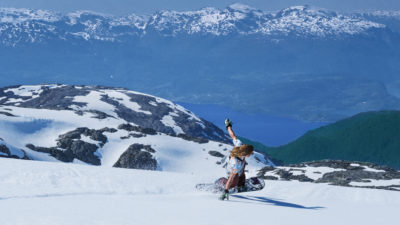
(301, 62)
(36, 26)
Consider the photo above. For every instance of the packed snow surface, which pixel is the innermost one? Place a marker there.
(41, 193)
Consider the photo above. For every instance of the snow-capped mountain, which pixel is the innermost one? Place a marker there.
(108, 127)
(299, 20)
(200, 57)
(25, 25)
(390, 18)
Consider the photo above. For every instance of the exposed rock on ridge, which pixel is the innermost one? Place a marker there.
(337, 172)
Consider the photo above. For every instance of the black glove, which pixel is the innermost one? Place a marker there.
(228, 123)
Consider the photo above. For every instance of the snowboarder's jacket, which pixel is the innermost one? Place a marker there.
(236, 164)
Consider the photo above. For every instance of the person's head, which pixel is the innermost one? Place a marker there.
(242, 151)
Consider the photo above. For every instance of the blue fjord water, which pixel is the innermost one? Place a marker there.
(266, 129)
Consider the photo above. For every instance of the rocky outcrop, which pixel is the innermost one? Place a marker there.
(337, 172)
(7, 114)
(150, 131)
(70, 146)
(130, 128)
(137, 156)
(216, 154)
(96, 135)
(189, 138)
(4, 150)
(6, 153)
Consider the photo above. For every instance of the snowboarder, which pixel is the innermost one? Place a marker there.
(236, 163)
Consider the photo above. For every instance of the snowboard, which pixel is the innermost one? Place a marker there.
(251, 184)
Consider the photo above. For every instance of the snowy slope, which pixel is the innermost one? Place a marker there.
(45, 121)
(110, 127)
(43, 193)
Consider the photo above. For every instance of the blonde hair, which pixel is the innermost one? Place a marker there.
(243, 150)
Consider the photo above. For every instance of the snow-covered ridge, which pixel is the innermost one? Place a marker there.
(110, 127)
(315, 21)
(17, 16)
(25, 25)
(337, 172)
(382, 13)
(117, 103)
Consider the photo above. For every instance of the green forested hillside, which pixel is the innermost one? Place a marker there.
(370, 137)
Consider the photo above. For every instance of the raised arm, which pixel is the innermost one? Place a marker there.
(231, 133)
(228, 125)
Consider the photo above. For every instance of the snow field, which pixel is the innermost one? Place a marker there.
(43, 193)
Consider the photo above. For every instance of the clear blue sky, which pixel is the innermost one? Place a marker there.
(123, 7)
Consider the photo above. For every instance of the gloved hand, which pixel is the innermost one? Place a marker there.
(224, 195)
(228, 123)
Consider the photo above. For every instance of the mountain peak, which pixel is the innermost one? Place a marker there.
(241, 7)
(306, 10)
(20, 15)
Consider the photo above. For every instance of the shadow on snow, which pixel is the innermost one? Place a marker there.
(274, 202)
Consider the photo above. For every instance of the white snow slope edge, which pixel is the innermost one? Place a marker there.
(44, 193)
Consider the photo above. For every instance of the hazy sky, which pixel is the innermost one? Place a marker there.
(122, 7)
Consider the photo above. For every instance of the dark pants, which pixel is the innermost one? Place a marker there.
(236, 180)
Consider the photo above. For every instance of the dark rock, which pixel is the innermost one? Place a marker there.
(30, 146)
(60, 98)
(286, 175)
(70, 147)
(134, 135)
(75, 134)
(96, 135)
(269, 178)
(345, 177)
(265, 169)
(63, 156)
(216, 154)
(85, 152)
(194, 139)
(129, 127)
(261, 173)
(5, 149)
(79, 112)
(8, 114)
(109, 130)
(137, 156)
(100, 115)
